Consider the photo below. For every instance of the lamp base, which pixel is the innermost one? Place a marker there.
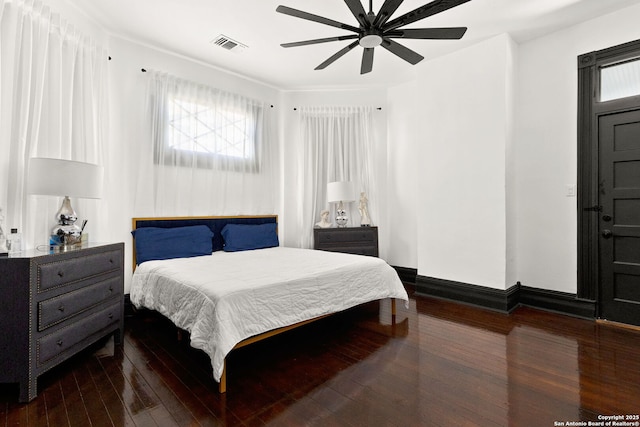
(65, 235)
(341, 218)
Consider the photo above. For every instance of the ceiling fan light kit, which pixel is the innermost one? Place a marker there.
(376, 30)
(370, 40)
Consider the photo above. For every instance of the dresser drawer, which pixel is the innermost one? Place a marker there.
(55, 310)
(59, 273)
(50, 346)
(351, 235)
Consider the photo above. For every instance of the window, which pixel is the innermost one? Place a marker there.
(620, 80)
(204, 129)
(206, 151)
(194, 125)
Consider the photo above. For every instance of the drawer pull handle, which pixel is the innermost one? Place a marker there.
(61, 273)
(110, 288)
(110, 316)
(59, 342)
(111, 260)
(61, 308)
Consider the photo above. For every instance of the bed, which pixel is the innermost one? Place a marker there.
(228, 282)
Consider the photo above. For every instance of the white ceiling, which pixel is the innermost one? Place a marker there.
(187, 27)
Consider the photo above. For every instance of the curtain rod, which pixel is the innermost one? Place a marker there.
(377, 108)
(144, 71)
(294, 108)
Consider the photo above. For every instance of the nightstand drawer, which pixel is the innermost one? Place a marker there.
(50, 346)
(71, 270)
(351, 240)
(60, 308)
(349, 235)
(355, 250)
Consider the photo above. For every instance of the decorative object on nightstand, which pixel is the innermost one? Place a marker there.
(324, 219)
(57, 177)
(363, 208)
(351, 240)
(340, 192)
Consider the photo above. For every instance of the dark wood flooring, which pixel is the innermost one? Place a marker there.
(441, 364)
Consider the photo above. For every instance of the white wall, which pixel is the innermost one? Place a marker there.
(404, 132)
(510, 169)
(462, 203)
(459, 106)
(546, 146)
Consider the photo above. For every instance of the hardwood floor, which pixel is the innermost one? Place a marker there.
(441, 364)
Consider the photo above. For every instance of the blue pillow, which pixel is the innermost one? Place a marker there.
(243, 237)
(165, 243)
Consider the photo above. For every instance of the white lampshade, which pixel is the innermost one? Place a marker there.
(340, 191)
(56, 177)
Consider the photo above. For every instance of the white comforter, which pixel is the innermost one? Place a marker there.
(224, 298)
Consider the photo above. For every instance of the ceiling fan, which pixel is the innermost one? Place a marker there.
(376, 30)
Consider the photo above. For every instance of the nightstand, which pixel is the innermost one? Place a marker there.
(55, 305)
(352, 240)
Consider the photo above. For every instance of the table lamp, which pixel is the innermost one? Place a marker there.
(340, 192)
(57, 177)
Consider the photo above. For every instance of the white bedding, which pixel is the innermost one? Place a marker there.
(225, 298)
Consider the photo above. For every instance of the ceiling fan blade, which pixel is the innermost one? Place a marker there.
(403, 52)
(317, 41)
(387, 9)
(367, 61)
(337, 55)
(315, 18)
(358, 11)
(453, 33)
(422, 12)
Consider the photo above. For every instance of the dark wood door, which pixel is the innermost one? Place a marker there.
(619, 223)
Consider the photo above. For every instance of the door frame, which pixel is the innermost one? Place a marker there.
(589, 111)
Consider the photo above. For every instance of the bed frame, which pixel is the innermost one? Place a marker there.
(216, 224)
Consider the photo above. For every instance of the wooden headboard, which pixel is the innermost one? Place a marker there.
(215, 223)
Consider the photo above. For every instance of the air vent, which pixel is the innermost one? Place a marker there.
(228, 43)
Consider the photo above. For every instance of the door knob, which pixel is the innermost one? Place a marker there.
(607, 234)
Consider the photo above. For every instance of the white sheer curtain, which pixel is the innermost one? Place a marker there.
(53, 82)
(208, 152)
(337, 146)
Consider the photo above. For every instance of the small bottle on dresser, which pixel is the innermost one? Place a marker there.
(14, 241)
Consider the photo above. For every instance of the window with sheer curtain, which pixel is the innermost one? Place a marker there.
(207, 131)
(208, 152)
(337, 146)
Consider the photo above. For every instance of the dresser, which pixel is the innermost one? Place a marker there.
(55, 305)
(352, 240)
